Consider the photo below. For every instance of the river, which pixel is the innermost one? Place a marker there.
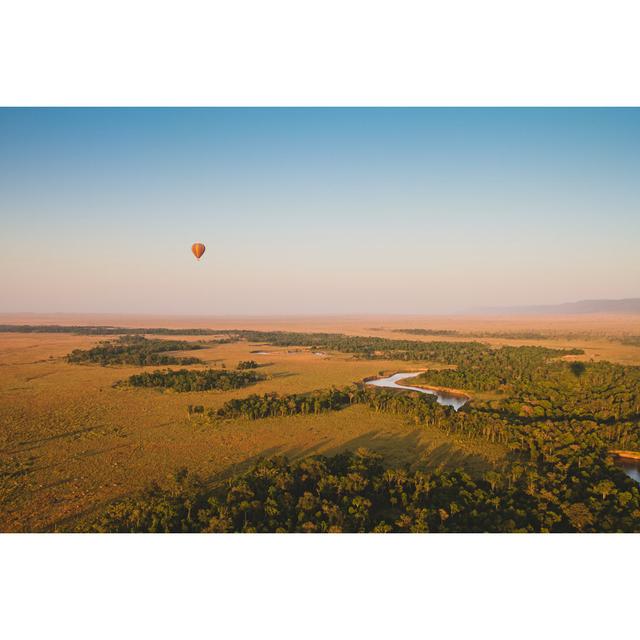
(443, 397)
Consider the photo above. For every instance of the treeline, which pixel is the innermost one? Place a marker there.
(355, 492)
(509, 335)
(233, 334)
(135, 350)
(512, 335)
(270, 405)
(367, 347)
(428, 332)
(416, 407)
(88, 330)
(184, 380)
(525, 334)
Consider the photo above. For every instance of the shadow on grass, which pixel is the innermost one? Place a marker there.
(39, 441)
(400, 450)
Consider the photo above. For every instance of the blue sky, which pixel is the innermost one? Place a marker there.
(316, 210)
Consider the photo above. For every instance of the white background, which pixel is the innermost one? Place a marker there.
(319, 53)
(324, 52)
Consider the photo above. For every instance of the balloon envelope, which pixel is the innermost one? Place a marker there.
(198, 249)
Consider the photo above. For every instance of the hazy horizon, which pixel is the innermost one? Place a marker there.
(567, 308)
(316, 211)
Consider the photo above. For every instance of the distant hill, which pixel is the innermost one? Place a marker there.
(626, 305)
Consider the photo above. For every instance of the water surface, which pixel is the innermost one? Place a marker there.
(444, 398)
(630, 467)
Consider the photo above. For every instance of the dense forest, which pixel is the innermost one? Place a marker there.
(598, 391)
(355, 492)
(135, 350)
(494, 369)
(201, 380)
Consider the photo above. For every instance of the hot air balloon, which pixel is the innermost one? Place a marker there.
(198, 249)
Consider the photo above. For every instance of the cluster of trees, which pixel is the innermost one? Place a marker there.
(247, 364)
(271, 404)
(355, 492)
(184, 380)
(135, 350)
(195, 409)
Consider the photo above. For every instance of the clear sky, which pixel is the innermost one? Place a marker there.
(316, 210)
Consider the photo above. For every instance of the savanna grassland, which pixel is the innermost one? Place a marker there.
(81, 433)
